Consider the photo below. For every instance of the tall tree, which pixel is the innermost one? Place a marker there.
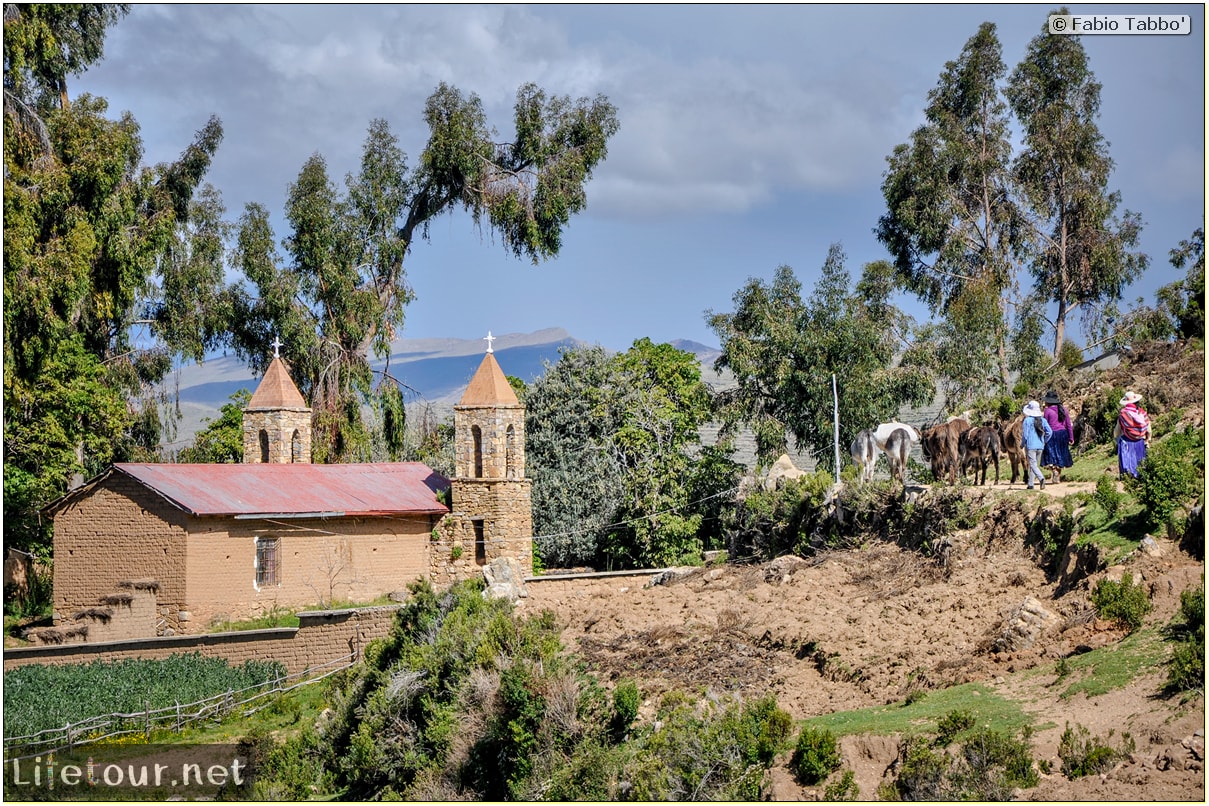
(783, 352)
(612, 444)
(1084, 256)
(43, 44)
(343, 291)
(97, 248)
(952, 223)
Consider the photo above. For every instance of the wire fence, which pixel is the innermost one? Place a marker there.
(173, 717)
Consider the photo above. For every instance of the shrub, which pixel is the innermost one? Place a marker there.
(1124, 602)
(625, 708)
(716, 752)
(1107, 495)
(816, 756)
(1170, 476)
(1187, 669)
(987, 765)
(1083, 754)
(951, 725)
(844, 789)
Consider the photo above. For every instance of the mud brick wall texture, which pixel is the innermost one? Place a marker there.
(206, 568)
(322, 637)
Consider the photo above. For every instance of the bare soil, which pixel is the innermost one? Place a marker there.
(863, 628)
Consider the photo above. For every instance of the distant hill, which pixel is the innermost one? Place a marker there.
(435, 371)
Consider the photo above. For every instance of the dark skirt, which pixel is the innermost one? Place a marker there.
(1130, 452)
(1057, 450)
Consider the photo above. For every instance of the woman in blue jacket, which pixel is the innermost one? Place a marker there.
(1036, 433)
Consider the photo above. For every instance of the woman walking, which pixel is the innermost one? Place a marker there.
(1056, 454)
(1133, 434)
(1036, 432)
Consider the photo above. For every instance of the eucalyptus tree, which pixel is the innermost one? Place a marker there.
(105, 274)
(1083, 257)
(952, 223)
(341, 292)
(783, 351)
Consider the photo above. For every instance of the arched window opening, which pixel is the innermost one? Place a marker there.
(477, 433)
(510, 453)
(296, 448)
(264, 447)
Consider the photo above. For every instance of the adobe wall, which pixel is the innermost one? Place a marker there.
(321, 637)
(118, 531)
(319, 560)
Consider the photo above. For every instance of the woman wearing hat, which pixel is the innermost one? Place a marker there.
(1036, 433)
(1133, 434)
(1057, 450)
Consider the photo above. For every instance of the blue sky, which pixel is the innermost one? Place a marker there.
(751, 136)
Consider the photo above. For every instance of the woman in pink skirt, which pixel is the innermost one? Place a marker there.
(1133, 434)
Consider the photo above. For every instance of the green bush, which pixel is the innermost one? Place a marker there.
(1083, 754)
(714, 751)
(986, 765)
(626, 700)
(1099, 416)
(1107, 495)
(816, 756)
(844, 789)
(1124, 602)
(1170, 476)
(1186, 672)
(952, 724)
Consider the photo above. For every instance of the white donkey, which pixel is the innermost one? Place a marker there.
(886, 439)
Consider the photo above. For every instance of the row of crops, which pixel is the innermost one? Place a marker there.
(38, 698)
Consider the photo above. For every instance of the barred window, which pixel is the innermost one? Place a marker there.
(266, 561)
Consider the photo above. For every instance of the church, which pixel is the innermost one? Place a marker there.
(227, 542)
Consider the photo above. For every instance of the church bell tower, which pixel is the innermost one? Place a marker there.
(490, 490)
(277, 421)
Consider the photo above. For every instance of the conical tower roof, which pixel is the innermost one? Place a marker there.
(489, 387)
(277, 389)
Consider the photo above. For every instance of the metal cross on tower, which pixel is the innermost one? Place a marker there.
(277, 345)
(489, 338)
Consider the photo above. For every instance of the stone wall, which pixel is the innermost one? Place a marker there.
(322, 637)
(280, 425)
(506, 509)
(502, 457)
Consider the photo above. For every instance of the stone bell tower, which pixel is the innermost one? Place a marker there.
(277, 421)
(491, 495)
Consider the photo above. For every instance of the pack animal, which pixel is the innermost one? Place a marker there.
(977, 448)
(897, 449)
(864, 453)
(1011, 438)
(941, 446)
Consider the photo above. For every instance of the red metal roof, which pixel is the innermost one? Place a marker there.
(377, 488)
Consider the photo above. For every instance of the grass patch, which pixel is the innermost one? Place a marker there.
(1112, 667)
(925, 715)
(1089, 464)
(284, 617)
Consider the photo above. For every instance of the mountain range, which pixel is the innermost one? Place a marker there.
(435, 371)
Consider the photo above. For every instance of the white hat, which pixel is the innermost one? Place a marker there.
(1130, 397)
(1033, 409)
